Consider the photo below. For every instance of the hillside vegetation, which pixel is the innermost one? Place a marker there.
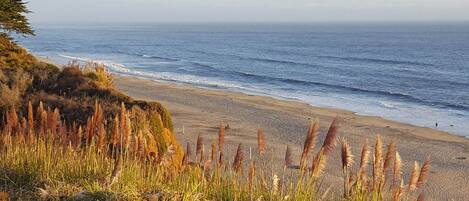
(68, 98)
(73, 90)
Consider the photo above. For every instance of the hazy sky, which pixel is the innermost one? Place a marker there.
(102, 11)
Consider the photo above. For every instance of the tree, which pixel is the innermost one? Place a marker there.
(13, 19)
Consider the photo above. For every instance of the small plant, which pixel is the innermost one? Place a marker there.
(98, 73)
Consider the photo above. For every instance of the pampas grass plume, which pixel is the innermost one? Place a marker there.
(414, 176)
(214, 150)
(30, 118)
(319, 164)
(364, 159)
(423, 173)
(310, 141)
(397, 169)
(329, 142)
(288, 157)
(346, 155)
(261, 146)
(198, 145)
(221, 137)
(390, 154)
(238, 161)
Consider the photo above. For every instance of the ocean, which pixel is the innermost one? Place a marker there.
(411, 73)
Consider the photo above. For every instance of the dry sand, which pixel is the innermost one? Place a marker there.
(195, 110)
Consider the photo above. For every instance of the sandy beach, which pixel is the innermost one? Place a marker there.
(195, 110)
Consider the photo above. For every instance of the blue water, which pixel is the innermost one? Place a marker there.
(412, 73)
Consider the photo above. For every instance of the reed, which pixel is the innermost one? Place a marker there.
(378, 163)
(320, 159)
(346, 155)
(330, 141)
(188, 154)
(142, 168)
(397, 172)
(364, 160)
(423, 173)
(261, 146)
(213, 154)
(310, 142)
(101, 138)
(221, 141)
(319, 164)
(30, 118)
(390, 155)
(347, 160)
(251, 176)
(202, 154)
(238, 160)
(414, 176)
(288, 161)
(115, 137)
(198, 145)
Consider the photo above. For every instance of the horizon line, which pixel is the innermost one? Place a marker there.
(249, 22)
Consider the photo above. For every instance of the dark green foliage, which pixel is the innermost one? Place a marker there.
(12, 55)
(12, 17)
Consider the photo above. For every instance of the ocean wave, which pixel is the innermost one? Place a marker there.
(159, 57)
(74, 58)
(210, 82)
(373, 60)
(410, 73)
(393, 95)
(387, 104)
(146, 56)
(289, 62)
(266, 60)
(164, 76)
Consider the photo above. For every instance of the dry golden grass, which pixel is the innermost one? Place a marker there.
(124, 160)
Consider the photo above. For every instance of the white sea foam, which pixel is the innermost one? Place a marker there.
(387, 104)
(420, 115)
(164, 76)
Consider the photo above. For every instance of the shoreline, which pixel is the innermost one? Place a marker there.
(198, 110)
(441, 123)
(290, 100)
(417, 116)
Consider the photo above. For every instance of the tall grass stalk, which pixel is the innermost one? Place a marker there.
(124, 160)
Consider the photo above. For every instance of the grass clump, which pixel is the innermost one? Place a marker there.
(122, 158)
(46, 157)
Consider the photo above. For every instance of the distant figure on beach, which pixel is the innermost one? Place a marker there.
(436, 124)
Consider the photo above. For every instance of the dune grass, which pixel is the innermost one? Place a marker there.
(124, 158)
